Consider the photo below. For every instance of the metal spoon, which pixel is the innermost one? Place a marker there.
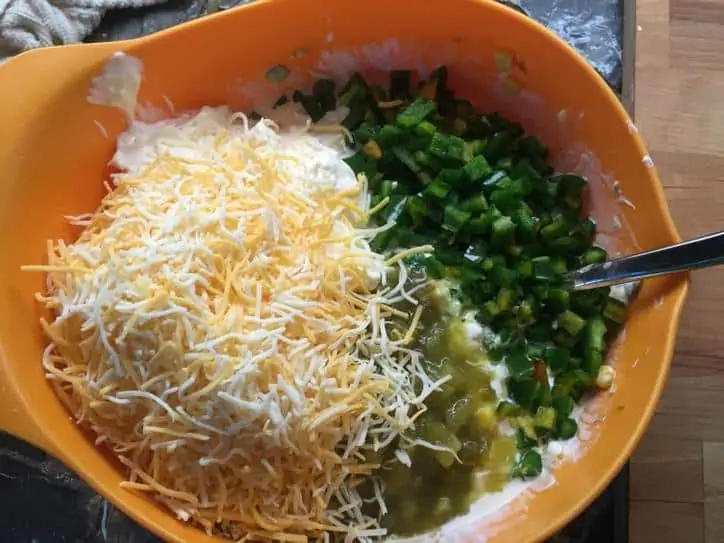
(688, 255)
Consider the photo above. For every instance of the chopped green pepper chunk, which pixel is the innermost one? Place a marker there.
(506, 296)
(435, 268)
(567, 429)
(525, 391)
(438, 189)
(614, 310)
(545, 418)
(558, 359)
(529, 464)
(570, 322)
(503, 230)
(389, 136)
(543, 269)
(439, 145)
(400, 84)
(406, 158)
(477, 169)
(569, 184)
(507, 409)
(425, 128)
(503, 277)
(518, 365)
(455, 218)
(556, 228)
(323, 91)
(558, 299)
(417, 210)
(476, 204)
(415, 113)
(564, 406)
(489, 311)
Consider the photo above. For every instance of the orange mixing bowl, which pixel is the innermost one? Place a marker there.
(54, 155)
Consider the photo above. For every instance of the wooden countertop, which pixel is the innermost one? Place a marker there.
(677, 474)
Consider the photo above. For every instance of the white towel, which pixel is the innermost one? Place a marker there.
(26, 24)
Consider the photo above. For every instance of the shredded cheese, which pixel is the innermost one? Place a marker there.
(224, 327)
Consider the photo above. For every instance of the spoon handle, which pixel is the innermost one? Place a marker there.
(689, 255)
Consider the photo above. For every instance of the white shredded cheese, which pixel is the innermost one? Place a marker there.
(222, 325)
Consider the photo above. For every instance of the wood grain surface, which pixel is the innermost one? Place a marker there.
(677, 474)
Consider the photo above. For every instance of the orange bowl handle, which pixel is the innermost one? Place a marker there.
(16, 417)
(32, 80)
(29, 83)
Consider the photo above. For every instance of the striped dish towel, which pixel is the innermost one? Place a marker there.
(27, 24)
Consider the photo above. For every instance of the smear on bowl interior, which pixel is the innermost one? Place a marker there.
(346, 329)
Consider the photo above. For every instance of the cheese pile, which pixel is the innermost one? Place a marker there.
(223, 326)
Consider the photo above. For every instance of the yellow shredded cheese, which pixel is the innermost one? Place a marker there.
(224, 327)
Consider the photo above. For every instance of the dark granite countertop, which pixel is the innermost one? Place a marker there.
(594, 27)
(41, 501)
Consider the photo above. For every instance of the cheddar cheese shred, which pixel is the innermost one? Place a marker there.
(222, 325)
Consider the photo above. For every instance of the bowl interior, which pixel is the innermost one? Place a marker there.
(57, 161)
